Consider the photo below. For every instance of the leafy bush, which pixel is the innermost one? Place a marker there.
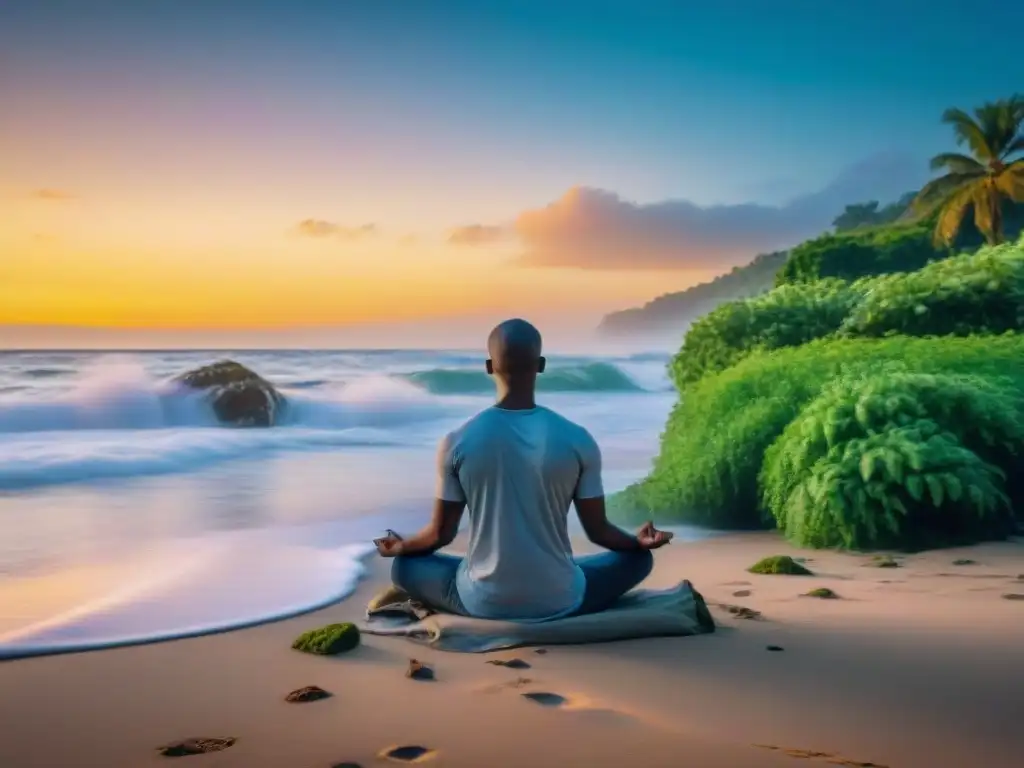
(975, 293)
(861, 253)
(713, 446)
(787, 316)
(897, 460)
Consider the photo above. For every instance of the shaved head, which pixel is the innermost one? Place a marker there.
(514, 347)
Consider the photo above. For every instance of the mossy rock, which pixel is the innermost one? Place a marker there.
(779, 564)
(239, 397)
(884, 561)
(965, 561)
(329, 640)
(822, 592)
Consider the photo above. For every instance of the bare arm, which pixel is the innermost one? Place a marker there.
(599, 530)
(590, 506)
(439, 532)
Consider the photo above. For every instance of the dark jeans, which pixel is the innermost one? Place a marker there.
(431, 578)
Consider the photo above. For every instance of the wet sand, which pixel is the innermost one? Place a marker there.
(919, 666)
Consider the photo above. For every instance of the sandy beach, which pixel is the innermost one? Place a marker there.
(911, 667)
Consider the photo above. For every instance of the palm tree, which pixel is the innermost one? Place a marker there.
(983, 179)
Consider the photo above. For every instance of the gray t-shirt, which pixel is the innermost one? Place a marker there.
(518, 472)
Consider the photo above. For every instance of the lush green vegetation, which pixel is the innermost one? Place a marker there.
(328, 640)
(869, 214)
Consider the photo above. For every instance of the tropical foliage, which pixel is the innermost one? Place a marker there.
(897, 459)
(784, 317)
(981, 293)
(984, 180)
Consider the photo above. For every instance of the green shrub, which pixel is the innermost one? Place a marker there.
(860, 253)
(713, 447)
(787, 316)
(896, 460)
(974, 293)
(779, 564)
(328, 640)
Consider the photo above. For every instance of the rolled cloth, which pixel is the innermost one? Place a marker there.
(677, 611)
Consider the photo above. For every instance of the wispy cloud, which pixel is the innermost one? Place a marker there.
(53, 195)
(321, 229)
(591, 228)
(477, 234)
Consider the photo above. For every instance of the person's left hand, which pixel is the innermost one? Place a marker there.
(389, 546)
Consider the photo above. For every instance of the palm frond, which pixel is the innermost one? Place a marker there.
(1015, 146)
(952, 215)
(956, 163)
(985, 199)
(968, 132)
(1011, 182)
(937, 191)
(1000, 121)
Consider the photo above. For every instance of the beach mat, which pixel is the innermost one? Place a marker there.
(677, 611)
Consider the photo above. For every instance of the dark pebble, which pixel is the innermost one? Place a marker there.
(774, 648)
(406, 754)
(419, 671)
(196, 746)
(510, 663)
(309, 693)
(545, 699)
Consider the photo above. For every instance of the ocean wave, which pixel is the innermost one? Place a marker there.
(35, 461)
(588, 377)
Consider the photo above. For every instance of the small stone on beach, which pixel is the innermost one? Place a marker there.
(883, 561)
(774, 648)
(196, 746)
(1013, 596)
(546, 699)
(328, 640)
(965, 561)
(419, 671)
(510, 663)
(407, 754)
(540, 650)
(309, 693)
(741, 593)
(823, 593)
(782, 565)
(740, 612)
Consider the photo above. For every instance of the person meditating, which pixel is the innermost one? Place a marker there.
(518, 466)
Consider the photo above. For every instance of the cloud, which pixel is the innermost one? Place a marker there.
(592, 228)
(320, 229)
(54, 195)
(477, 234)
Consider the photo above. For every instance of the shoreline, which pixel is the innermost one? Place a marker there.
(938, 654)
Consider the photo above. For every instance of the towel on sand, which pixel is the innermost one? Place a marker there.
(642, 613)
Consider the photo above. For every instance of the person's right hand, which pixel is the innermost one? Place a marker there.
(651, 538)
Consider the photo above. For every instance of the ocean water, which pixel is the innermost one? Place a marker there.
(128, 514)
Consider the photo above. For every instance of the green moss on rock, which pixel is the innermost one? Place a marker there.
(329, 640)
(823, 592)
(779, 564)
(884, 561)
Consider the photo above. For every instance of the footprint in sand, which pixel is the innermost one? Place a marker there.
(546, 699)
(510, 663)
(196, 746)
(412, 753)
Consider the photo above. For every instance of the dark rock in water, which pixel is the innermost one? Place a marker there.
(419, 671)
(309, 693)
(196, 746)
(774, 648)
(239, 396)
(510, 663)
(329, 640)
(407, 754)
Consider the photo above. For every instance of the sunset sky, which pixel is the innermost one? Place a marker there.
(350, 172)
